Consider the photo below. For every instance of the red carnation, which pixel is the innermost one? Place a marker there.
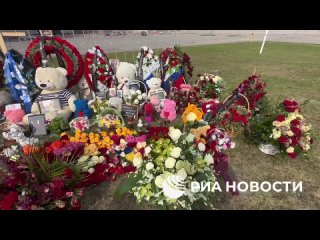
(281, 118)
(292, 155)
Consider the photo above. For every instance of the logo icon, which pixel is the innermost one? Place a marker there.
(174, 186)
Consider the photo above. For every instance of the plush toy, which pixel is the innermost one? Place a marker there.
(83, 84)
(14, 116)
(125, 72)
(82, 108)
(53, 82)
(116, 102)
(154, 85)
(169, 110)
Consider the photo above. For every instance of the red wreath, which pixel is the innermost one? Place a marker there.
(70, 55)
(103, 72)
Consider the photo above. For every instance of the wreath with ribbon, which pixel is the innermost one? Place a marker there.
(174, 66)
(97, 67)
(147, 64)
(67, 55)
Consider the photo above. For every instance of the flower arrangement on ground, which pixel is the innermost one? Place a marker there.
(209, 86)
(135, 97)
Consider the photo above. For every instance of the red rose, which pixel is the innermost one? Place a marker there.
(295, 122)
(290, 105)
(281, 118)
(283, 139)
(56, 145)
(294, 141)
(292, 155)
(8, 201)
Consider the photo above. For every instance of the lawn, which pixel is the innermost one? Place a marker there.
(291, 71)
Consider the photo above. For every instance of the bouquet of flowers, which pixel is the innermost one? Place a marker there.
(80, 123)
(291, 130)
(209, 86)
(253, 89)
(175, 157)
(184, 95)
(135, 97)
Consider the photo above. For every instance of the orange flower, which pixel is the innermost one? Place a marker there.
(192, 110)
(29, 149)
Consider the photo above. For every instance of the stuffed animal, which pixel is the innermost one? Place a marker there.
(169, 110)
(53, 82)
(83, 84)
(14, 116)
(82, 108)
(125, 72)
(116, 102)
(154, 84)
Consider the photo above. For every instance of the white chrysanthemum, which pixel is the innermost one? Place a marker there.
(137, 162)
(149, 166)
(190, 138)
(201, 147)
(208, 159)
(147, 150)
(176, 152)
(170, 162)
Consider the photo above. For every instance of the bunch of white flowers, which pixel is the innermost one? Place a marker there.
(135, 97)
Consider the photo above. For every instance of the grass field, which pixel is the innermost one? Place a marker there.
(291, 71)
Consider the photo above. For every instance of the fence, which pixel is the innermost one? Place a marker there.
(122, 41)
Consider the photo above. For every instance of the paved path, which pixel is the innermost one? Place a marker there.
(133, 42)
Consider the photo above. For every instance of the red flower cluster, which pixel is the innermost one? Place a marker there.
(290, 105)
(233, 116)
(182, 98)
(103, 73)
(156, 133)
(254, 90)
(71, 56)
(208, 87)
(7, 203)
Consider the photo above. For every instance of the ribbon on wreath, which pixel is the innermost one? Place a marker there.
(17, 83)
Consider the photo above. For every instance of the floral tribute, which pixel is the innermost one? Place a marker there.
(291, 130)
(149, 63)
(209, 86)
(69, 54)
(97, 63)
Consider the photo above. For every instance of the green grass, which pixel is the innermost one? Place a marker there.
(291, 71)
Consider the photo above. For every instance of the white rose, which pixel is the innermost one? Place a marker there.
(95, 160)
(190, 138)
(290, 150)
(144, 96)
(176, 152)
(139, 97)
(180, 164)
(232, 145)
(221, 142)
(209, 159)
(138, 92)
(174, 133)
(276, 134)
(159, 181)
(182, 173)
(91, 170)
(147, 150)
(201, 147)
(136, 101)
(137, 162)
(170, 162)
(149, 166)
(122, 154)
(191, 117)
(132, 91)
(129, 97)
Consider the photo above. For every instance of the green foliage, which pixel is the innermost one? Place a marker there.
(58, 125)
(260, 126)
(128, 184)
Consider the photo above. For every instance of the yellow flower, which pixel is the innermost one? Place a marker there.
(130, 156)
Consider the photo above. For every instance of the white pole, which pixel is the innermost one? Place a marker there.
(264, 41)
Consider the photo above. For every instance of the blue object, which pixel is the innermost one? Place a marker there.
(82, 108)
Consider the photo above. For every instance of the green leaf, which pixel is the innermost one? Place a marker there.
(128, 184)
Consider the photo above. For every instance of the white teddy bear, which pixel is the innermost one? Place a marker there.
(154, 85)
(53, 82)
(125, 73)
